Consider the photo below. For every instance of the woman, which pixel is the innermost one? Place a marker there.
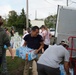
(46, 36)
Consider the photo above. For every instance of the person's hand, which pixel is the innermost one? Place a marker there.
(68, 73)
(42, 50)
(36, 51)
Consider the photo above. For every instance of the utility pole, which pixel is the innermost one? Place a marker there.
(67, 2)
(35, 14)
(26, 13)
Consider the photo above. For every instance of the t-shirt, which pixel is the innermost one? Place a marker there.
(33, 42)
(53, 56)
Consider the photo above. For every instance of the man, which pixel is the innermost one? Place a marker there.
(48, 63)
(4, 40)
(26, 32)
(35, 42)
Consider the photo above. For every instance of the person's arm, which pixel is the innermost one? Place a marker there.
(42, 45)
(40, 48)
(44, 34)
(25, 43)
(66, 67)
(66, 62)
(6, 41)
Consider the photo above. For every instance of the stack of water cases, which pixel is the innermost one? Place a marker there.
(63, 71)
(15, 41)
(26, 53)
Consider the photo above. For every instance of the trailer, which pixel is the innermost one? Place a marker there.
(66, 23)
(66, 29)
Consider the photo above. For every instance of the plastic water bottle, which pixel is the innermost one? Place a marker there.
(17, 52)
(26, 55)
(5, 47)
(33, 55)
(71, 71)
(62, 70)
(29, 56)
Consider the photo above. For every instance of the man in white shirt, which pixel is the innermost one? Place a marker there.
(24, 34)
(48, 63)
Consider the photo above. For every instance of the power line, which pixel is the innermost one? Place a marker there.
(70, 3)
(54, 0)
(67, 2)
(44, 7)
(48, 2)
(73, 1)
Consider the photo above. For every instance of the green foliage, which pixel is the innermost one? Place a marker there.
(18, 21)
(4, 22)
(50, 21)
(21, 21)
(12, 18)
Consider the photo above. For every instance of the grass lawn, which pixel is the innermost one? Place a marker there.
(16, 66)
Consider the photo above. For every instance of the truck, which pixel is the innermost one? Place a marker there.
(66, 23)
(66, 29)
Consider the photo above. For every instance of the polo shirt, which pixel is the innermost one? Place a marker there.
(53, 56)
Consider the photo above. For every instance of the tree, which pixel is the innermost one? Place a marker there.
(12, 18)
(50, 21)
(21, 21)
(4, 22)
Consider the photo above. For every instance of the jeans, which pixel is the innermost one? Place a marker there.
(4, 62)
(45, 70)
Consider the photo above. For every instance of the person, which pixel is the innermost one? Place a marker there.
(12, 31)
(35, 42)
(24, 31)
(4, 40)
(27, 32)
(7, 32)
(46, 36)
(48, 63)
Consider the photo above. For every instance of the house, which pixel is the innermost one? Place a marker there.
(38, 22)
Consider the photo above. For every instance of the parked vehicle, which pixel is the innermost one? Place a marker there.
(52, 31)
(66, 23)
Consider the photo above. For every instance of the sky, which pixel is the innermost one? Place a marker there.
(42, 8)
